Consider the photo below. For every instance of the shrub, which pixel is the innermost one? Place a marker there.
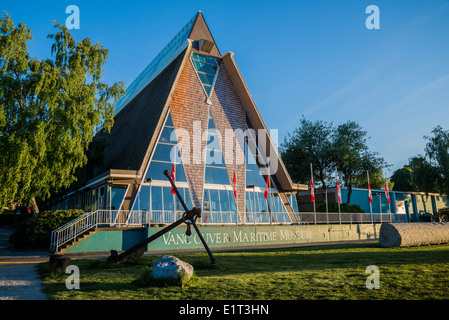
(36, 231)
(344, 207)
(443, 215)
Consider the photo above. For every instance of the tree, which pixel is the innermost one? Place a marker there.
(49, 110)
(376, 180)
(428, 172)
(309, 144)
(351, 154)
(403, 179)
(437, 151)
(328, 147)
(424, 174)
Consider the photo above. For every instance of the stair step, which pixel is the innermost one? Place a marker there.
(64, 247)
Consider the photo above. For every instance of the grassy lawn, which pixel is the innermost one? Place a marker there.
(320, 272)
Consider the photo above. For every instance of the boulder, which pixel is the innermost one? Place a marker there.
(171, 270)
(413, 234)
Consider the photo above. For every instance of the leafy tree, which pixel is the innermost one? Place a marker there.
(403, 179)
(328, 147)
(49, 110)
(309, 144)
(437, 151)
(376, 180)
(351, 154)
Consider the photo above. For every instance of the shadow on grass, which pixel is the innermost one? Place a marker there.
(320, 258)
(239, 263)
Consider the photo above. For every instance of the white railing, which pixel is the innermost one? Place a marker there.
(71, 230)
(268, 218)
(126, 218)
(345, 218)
(219, 217)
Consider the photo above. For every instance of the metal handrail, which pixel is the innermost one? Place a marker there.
(345, 218)
(127, 218)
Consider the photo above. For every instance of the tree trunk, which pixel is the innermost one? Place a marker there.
(349, 186)
(34, 207)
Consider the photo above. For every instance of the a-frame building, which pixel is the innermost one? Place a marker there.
(190, 110)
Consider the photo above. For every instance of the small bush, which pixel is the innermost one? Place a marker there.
(344, 207)
(443, 215)
(36, 231)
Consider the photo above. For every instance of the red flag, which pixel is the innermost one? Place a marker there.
(235, 185)
(338, 192)
(172, 176)
(265, 194)
(312, 189)
(370, 196)
(386, 190)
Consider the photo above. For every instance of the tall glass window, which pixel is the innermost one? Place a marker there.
(206, 67)
(161, 199)
(117, 195)
(253, 174)
(166, 155)
(216, 172)
(219, 206)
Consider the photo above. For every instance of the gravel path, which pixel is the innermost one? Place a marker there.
(20, 282)
(18, 277)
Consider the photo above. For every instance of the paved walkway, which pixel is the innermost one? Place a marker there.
(18, 276)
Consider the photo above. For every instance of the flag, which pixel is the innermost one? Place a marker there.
(265, 194)
(235, 185)
(370, 196)
(172, 176)
(312, 189)
(386, 189)
(338, 191)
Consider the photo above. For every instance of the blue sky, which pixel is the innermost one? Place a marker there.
(314, 58)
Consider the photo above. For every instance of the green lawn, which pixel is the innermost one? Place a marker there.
(320, 272)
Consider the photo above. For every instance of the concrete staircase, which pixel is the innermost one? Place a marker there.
(81, 237)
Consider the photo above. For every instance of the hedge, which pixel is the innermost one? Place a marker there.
(36, 231)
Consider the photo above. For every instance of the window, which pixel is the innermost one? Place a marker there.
(219, 206)
(253, 174)
(161, 199)
(166, 154)
(206, 67)
(293, 203)
(117, 195)
(215, 172)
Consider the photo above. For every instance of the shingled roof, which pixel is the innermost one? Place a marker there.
(135, 125)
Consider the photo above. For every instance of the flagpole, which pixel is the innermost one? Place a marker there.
(270, 207)
(327, 208)
(172, 191)
(312, 187)
(370, 198)
(386, 190)
(338, 197)
(370, 204)
(235, 189)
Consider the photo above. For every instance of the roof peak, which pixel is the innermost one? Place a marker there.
(195, 29)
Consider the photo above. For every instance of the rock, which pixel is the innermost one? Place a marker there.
(171, 270)
(413, 234)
